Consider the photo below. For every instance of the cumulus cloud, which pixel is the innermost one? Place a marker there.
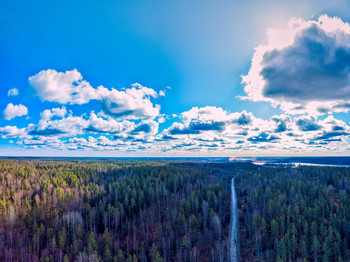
(70, 125)
(263, 137)
(70, 88)
(149, 127)
(200, 119)
(62, 87)
(282, 123)
(195, 127)
(212, 128)
(13, 92)
(12, 111)
(197, 132)
(46, 115)
(12, 132)
(161, 118)
(126, 119)
(132, 103)
(55, 127)
(332, 130)
(214, 121)
(304, 67)
(208, 128)
(242, 118)
(307, 123)
(46, 132)
(107, 126)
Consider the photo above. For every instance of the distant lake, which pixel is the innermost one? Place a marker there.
(296, 161)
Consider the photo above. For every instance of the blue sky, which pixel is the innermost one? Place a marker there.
(200, 91)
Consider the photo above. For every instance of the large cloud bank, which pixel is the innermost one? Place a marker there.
(304, 67)
(199, 130)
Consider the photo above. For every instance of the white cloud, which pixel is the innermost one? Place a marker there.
(46, 115)
(201, 130)
(68, 126)
(304, 67)
(145, 128)
(110, 126)
(129, 121)
(307, 123)
(12, 111)
(283, 123)
(213, 119)
(70, 88)
(13, 92)
(211, 128)
(12, 132)
(161, 119)
(132, 103)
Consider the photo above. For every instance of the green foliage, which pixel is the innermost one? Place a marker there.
(306, 210)
(112, 209)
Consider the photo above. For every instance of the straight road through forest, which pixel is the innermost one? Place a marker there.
(233, 238)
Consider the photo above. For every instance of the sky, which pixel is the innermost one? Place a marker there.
(174, 78)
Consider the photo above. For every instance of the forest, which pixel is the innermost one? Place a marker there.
(157, 210)
(295, 214)
(112, 211)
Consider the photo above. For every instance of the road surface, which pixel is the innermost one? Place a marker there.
(233, 238)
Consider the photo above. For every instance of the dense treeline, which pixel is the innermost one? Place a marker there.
(295, 214)
(112, 211)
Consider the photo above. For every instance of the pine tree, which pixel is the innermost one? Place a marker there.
(303, 249)
(293, 245)
(62, 239)
(53, 242)
(91, 243)
(315, 248)
(274, 232)
(326, 252)
(185, 243)
(153, 251)
(282, 250)
(142, 254)
(120, 256)
(107, 257)
(158, 258)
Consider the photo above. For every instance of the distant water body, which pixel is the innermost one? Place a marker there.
(310, 164)
(296, 164)
(297, 161)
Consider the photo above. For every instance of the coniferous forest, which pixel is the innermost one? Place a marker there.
(120, 211)
(136, 210)
(295, 214)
